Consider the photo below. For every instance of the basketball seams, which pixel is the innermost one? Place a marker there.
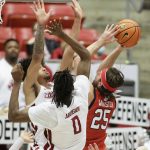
(130, 37)
(126, 29)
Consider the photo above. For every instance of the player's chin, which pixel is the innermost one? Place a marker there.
(47, 78)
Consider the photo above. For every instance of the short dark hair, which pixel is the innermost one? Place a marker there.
(10, 40)
(63, 87)
(25, 65)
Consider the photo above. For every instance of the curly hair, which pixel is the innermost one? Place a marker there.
(63, 87)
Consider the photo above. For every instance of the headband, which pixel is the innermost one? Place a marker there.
(104, 81)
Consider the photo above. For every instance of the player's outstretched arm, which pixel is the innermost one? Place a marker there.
(109, 60)
(14, 114)
(85, 63)
(38, 50)
(68, 52)
(107, 37)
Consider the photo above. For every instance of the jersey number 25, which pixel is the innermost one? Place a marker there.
(100, 114)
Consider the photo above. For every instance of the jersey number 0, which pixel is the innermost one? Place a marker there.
(76, 124)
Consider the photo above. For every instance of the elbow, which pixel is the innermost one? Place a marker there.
(12, 117)
(86, 56)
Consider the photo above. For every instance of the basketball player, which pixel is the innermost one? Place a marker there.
(37, 130)
(101, 99)
(69, 99)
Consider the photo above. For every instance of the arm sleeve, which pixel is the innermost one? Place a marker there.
(82, 85)
(43, 115)
(17, 145)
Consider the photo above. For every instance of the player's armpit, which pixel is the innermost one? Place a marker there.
(30, 92)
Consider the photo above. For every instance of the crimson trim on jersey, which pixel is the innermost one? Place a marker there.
(48, 136)
(50, 139)
(93, 99)
(104, 81)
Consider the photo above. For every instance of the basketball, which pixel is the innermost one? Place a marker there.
(129, 33)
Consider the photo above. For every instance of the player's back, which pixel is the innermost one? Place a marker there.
(100, 112)
(67, 124)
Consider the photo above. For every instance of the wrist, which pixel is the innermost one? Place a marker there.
(40, 26)
(60, 34)
(17, 82)
(119, 49)
(78, 18)
(101, 41)
(21, 139)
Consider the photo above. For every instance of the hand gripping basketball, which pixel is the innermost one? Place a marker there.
(129, 33)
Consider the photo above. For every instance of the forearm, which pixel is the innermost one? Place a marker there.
(74, 34)
(93, 48)
(76, 28)
(13, 104)
(14, 114)
(17, 145)
(110, 59)
(68, 52)
(38, 48)
(79, 49)
(37, 56)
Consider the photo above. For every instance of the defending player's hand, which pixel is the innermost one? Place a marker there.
(54, 27)
(107, 36)
(40, 13)
(77, 9)
(93, 147)
(17, 73)
(27, 137)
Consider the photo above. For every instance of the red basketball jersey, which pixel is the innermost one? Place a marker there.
(100, 112)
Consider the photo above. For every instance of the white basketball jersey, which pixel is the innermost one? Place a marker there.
(6, 82)
(67, 124)
(41, 135)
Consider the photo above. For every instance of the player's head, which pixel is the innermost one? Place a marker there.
(11, 47)
(110, 80)
(43, 74)
(63, 87)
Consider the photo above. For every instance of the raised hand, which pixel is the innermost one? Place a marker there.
(17, 73)
(40, 13)
(27, 137)
(107, 36)
(93, 147)
(77, 9)
(54, 27)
